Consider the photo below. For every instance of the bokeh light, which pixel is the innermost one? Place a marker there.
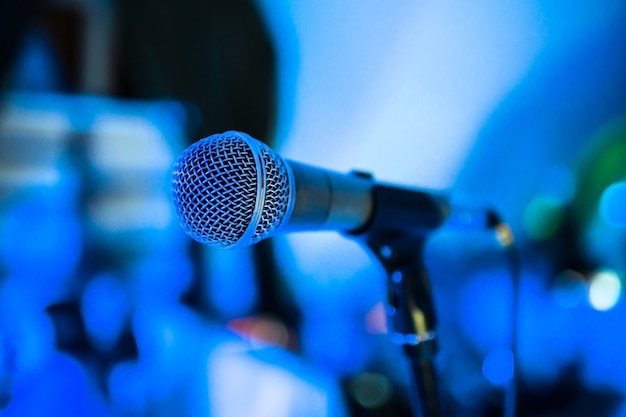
(498, 366)
(605, 290)
(613, 204)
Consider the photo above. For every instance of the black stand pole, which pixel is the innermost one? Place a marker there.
(412, 316)
(396, 234)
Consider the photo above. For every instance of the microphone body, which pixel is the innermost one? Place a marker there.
(328, 200)
(232, 190)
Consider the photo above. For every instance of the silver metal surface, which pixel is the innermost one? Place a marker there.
(230, 189)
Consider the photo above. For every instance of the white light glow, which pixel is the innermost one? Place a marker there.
(242, 385)
(604, 290)
(128, 142)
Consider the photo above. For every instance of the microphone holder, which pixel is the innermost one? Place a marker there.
(396, 234)
(411, 314)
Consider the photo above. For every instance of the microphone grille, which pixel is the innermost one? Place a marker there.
(230, 189)
(277, 194)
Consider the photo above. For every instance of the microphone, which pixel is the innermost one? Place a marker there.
(232, 190)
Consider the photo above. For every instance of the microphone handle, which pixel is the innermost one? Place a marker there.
(328, 200)
(355, 203)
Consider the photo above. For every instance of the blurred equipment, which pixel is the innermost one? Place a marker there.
(78, 216)
(554, 156)
(100, 298)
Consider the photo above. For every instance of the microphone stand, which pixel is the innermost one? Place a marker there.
(411, 313)
(396, 234)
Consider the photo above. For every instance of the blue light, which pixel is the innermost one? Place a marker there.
(231, 281)
(105, 306)
(60, 387)
(485, 309)
(36, 68)
(162, 276)
(128, 389)
(569, 289)
(41, 241)
(613, 204)
(336, 344)
(498, 366)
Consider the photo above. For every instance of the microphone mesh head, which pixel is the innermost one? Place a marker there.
(231, 189)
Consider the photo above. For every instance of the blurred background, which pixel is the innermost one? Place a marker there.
(108, 309)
